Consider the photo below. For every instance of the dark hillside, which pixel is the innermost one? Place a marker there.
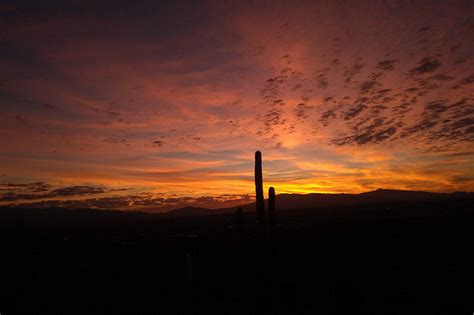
(406, 257)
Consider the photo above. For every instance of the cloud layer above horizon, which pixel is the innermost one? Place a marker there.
(154, 105)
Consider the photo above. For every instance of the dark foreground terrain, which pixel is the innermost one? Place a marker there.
(386, 258)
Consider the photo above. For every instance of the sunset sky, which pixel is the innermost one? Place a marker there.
(154, 105)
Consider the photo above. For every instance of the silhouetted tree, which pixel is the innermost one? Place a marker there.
(259, 192)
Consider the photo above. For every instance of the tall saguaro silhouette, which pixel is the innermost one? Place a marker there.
(259, 191)
(271, 210)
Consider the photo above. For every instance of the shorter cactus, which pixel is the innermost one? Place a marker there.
(271, 211)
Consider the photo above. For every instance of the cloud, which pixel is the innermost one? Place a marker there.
(377, 131)
(42, 190)
(75, 191)
(352, 71)
(354, 111)
(426, 65)
(468, 80)
(301, 111)
(31, 187)
(387, 65)
(144, 202)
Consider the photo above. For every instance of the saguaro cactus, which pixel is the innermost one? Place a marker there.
(259, 191)
(271, 210)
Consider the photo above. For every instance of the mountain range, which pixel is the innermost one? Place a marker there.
(318, 200)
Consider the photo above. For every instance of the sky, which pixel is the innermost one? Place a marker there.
(154, 105)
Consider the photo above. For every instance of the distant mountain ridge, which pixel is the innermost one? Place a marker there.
(189, 211)
(318, 200)
(284, 202)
